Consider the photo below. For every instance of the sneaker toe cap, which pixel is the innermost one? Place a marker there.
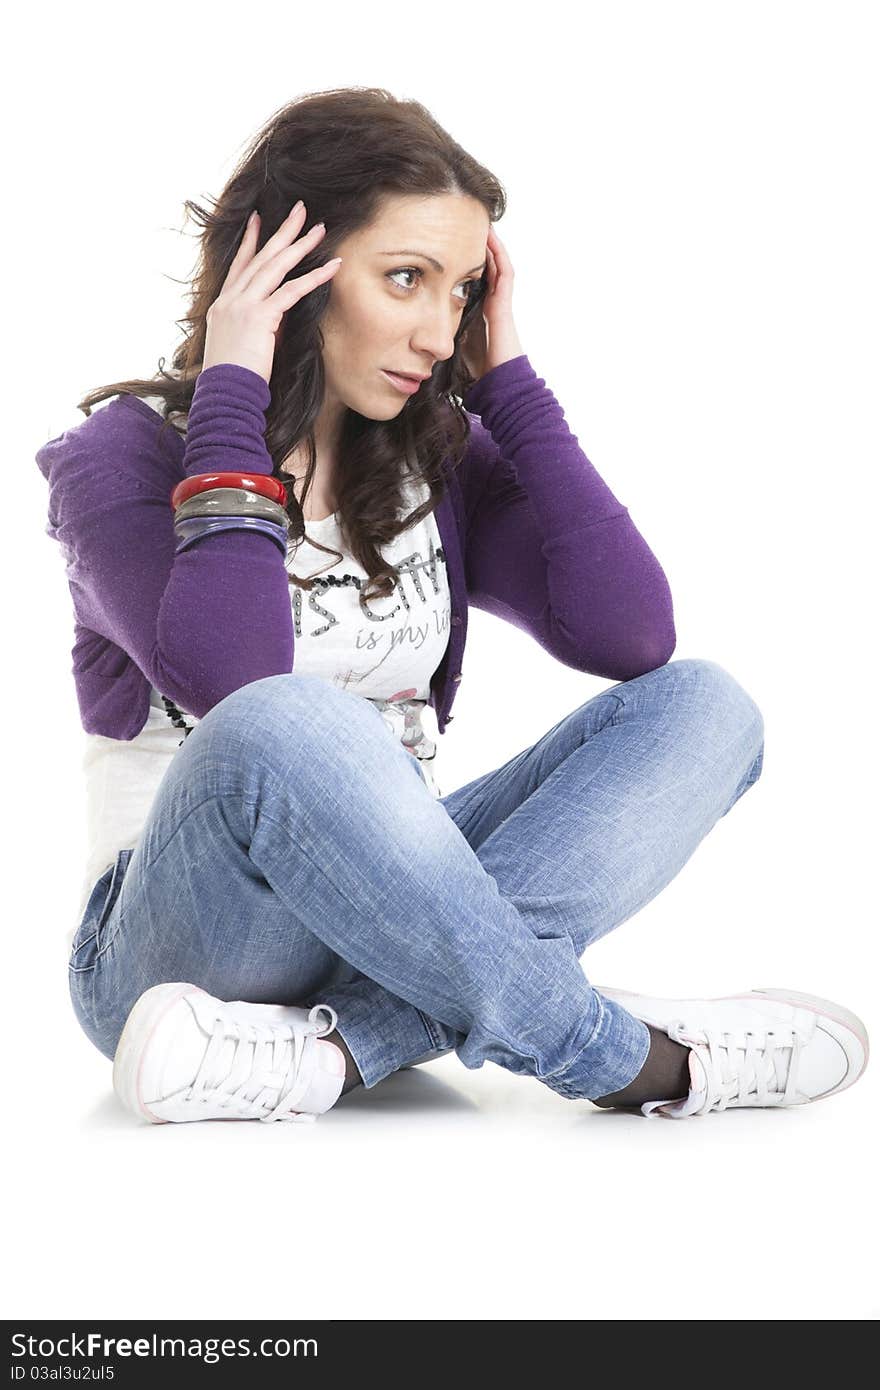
(834, 1058)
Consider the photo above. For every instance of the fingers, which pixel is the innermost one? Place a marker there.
(501, 262)
(297, 289)
(246, 249)
(289, 228)
(267, 276)
(247, 260)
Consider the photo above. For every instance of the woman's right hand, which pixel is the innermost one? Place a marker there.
(244, 321)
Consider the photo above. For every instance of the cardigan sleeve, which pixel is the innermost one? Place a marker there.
(198, 624)
(549, 548)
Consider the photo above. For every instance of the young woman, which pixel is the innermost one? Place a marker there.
(279, 903)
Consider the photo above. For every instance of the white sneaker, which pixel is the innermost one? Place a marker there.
(184, 1055)
(768, 1047)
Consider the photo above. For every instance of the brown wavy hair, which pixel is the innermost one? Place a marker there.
(342, 151)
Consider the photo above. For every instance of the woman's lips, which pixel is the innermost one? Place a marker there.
(402, 383)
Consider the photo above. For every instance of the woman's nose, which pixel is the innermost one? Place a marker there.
(434, 346)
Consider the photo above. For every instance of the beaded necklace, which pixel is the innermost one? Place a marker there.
(177, 718)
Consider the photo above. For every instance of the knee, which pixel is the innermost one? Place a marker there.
(290, 695)
(723, 703)
(295, 713)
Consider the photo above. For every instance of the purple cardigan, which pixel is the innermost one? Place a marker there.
(530, 533)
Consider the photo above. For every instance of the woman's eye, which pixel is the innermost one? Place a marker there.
(410, 270)
(471, 286)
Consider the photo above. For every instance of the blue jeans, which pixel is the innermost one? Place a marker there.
(293, 854)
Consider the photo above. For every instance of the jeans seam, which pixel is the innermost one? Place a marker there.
(85, 941)
(213, 796)
(435, 1041)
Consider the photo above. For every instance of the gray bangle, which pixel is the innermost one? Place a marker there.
(232, 501)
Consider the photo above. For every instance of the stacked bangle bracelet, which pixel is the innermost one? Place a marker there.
(209, 502)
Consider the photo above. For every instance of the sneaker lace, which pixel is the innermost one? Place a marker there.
(275, 1058)
(748, 1067)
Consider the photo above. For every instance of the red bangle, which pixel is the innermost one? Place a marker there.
(263, 483)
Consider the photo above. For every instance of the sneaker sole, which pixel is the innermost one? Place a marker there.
(141, 1024)
(825, 1007)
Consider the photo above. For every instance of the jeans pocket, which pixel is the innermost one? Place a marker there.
(87, 940)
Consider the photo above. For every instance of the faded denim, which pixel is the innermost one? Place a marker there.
(294, 854)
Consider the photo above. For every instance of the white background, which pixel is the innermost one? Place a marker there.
(693, 221)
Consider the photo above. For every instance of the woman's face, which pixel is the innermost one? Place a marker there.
(390, 308)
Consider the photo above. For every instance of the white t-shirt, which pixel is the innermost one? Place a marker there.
(385, 651)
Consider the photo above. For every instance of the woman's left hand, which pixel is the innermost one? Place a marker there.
(492, 337)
